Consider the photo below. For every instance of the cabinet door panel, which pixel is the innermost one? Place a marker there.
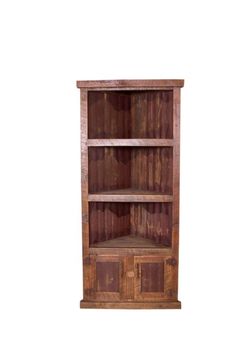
(156, 278)
(107, 276)
(107, 281)
(152, 277)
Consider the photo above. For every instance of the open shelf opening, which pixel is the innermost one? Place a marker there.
(130, 225)
(130, 170)
(130, 114)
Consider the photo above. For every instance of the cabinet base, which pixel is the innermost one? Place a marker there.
(130, 305)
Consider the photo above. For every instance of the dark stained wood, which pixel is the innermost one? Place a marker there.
(112, 168)
(113, 219)
(109, 168)
(106, 280)
(130, 193)
(152, 277)
(107, 276)
(151, 169)
(155, 279)
(130, 224)
(151, 114)
(130, 115)
(152, 221)
(115, 84)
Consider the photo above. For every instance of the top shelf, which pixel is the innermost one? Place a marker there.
(121, 84)
(130, 115)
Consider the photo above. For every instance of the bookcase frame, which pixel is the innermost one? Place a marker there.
(127, 275)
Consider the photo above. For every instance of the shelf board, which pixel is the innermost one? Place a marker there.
(128, 241)
(130, 142)
(130, 84)
(129, 195)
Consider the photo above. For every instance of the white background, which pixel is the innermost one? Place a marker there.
(45, 47)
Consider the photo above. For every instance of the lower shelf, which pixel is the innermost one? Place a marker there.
(130, 305)
(128, 241)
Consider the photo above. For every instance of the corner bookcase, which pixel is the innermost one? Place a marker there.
(130, 193)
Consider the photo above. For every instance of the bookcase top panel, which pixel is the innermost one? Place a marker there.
(130, 84)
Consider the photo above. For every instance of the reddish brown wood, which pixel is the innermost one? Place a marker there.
(130, 224)
(107, 276)
(152, 277)
(130, 84)
(130, 114)
(130, 305)
(130, 193)
(112, 168)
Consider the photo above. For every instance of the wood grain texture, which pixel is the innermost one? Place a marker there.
(130, 115)
(112, 168)
(129, 195)
(84, 193)
(130, 153)
(152, 277)
(176, 179)
(152, 169)
(107, 277)
(130, 305)
(115, 84)
(152, 221)
(152, 114)
(129, 241)
(130, 142)
(108, 221)
(155, 279)
(132, 222)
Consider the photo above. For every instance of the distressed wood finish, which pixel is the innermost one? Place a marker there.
(114, 168)
(130, 114)
(129, 195)
(130, 84)
(130, 224)
(130, 142)
(131, 305)
(130, 151)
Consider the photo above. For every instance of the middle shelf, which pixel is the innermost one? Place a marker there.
(139, 171)
(129, 195)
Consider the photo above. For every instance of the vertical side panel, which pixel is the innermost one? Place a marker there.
(84, 189)
(176, 162)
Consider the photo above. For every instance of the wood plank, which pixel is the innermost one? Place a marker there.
(130, 142)
(129, 195)
(114, 84)
(128, 241)
(130, 305)
(84, 168)
(176, 179)
(124, 251)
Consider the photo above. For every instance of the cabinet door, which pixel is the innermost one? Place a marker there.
(156, 278)
(106, 278)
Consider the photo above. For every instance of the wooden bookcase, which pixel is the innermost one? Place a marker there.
(130, 193)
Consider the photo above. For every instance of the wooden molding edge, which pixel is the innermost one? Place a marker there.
(129, 83)
(130, 305)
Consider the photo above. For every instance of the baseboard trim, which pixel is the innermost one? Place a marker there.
(130, 305)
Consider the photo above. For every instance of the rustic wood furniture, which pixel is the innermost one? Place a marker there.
(130, 193)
